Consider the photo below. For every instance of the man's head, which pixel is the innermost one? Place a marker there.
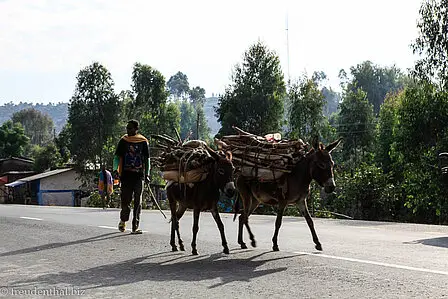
(132, 127)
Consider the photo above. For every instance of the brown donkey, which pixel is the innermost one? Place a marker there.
(292, 188)
(202, 196)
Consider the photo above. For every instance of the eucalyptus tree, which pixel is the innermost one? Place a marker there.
(94, 113)
(254, 100)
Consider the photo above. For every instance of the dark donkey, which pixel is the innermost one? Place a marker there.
(292, 188)
(202, 196)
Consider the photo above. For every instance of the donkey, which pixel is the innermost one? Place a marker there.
(202, 196)
(292, 188)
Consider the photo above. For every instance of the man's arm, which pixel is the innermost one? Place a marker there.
(118, 157)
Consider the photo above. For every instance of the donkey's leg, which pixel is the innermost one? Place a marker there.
(278, 224)
(174, 224)
(240, 230)
(244, 220)
(221, 229)
(180, 212)
(249, 205)
(305, 213)
(196, 213)
(254, 205)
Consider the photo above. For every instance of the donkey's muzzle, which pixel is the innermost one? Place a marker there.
(229, 189)
(329, 185)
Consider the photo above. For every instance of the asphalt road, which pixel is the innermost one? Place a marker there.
(79, 252)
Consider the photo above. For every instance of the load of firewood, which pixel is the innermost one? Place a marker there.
(265, 158)
(182, 162)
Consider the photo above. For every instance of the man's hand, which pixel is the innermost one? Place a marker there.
(147, 179)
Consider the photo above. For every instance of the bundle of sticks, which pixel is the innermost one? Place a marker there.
(262, 158)
(183, 162)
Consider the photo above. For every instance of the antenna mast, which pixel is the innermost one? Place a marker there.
(287, 46)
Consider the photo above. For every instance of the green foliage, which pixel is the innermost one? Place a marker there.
(422, 118)
(37, 125)
(12, 140)
(387, 121)
(331, 99)
(178, 85)
(197, 96)
(365, 194)
(356, 125)
(306, 103)
(254, 99)
(93, 115)
(63, 143)
(376, 81)
(58, 112)
(47, 158)
(190, 117)
(148, 87)
(424, 192)
(431, 42)
(95, 200)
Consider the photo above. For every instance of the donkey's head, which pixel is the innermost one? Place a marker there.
(223, 175)
(321, 164)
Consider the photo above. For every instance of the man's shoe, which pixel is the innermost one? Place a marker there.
(122, 226)
(136, 232)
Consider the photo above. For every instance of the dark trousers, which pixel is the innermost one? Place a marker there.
(131, 188)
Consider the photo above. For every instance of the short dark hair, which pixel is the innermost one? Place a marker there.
(134, 122)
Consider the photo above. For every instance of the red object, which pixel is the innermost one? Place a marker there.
(3, 179)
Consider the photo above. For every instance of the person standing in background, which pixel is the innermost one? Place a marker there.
(105, 186)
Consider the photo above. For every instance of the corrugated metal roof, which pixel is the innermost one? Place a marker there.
(15, 184)
(44, 174)
(18, 159)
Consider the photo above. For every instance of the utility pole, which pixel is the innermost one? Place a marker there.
(287, 46)
(197, 126)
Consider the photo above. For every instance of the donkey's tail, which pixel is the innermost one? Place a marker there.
(236, 206)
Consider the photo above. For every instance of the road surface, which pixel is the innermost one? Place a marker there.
(79, 252)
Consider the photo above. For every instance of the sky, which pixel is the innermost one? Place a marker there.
(45, 43)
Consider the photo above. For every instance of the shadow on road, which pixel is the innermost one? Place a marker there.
(61, 244)
(175, 267)
(439, 242)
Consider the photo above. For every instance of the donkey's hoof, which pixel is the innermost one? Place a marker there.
(182, 248)
(194, 252)
(275, 248)
(243, 246)
(226, 250)
(253, 243)
(319, 247)
(173, 249)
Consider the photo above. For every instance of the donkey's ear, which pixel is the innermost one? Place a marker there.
(315, 142)
(229, 155)
(333, 145)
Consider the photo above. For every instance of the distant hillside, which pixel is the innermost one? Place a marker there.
(209, 111)
(57, 112)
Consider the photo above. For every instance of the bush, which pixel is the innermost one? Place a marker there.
(366, 195)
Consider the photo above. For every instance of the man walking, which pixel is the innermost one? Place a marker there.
(131, 163)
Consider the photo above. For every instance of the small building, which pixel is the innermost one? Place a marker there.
(12, 169)
(15, 164)
(55, 188)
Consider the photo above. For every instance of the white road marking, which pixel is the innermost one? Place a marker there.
(374, 263)
(31, 218)
(116, 228)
